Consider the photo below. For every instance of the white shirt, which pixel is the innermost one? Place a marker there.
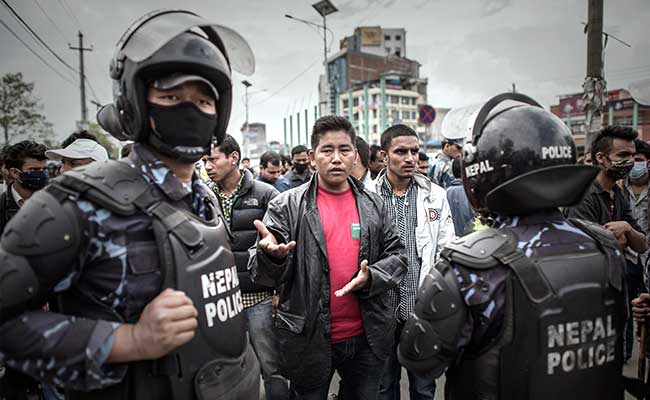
(17, 197)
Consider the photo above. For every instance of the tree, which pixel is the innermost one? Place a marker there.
(20, 111)
(105, 140)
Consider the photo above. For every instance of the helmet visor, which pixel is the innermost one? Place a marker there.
(149, 34)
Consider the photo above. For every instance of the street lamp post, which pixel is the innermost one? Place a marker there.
(324, 8)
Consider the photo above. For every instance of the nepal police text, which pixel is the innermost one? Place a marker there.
(581, 344)
(217, 283)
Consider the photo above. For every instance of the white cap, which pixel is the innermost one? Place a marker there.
(80, 148)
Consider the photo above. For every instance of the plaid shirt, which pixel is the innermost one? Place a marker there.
(403, 210)
(227, 201)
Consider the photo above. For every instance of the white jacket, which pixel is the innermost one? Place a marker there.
(435, 226)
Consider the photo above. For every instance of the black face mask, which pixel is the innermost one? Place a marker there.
(300, 167)
(182, 131)
(618, 169)
(34, 180)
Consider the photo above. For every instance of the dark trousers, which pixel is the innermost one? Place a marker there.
(421, 387)
(358, 367)
(635, 286)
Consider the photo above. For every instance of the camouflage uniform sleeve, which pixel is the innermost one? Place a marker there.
(64, 350)
(484, 294)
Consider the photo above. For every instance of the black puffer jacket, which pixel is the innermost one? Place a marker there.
(251, 203)
(302, 280)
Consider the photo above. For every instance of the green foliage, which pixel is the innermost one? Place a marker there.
(105, 140)
(20, 112)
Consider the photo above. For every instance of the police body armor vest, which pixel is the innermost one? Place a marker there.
(563, 328)
(195, 257)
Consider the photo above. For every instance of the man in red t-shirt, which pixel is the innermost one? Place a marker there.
(333, 254)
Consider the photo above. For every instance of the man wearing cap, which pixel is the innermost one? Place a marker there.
(78, 153)
(440, 172)
(133, 256)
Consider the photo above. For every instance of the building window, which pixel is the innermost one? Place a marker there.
(413, 101)
(405, 100)
(394, 114)
(398, 53)
(394, 99)
(406, 115)
(345, 104)
(374, 113)
(386, 37)
(374, 98)
(387, 50)
(398, 37)
(374, 128)
(356, 116)
(355, 102)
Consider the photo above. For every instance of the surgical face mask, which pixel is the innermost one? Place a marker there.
(34, 180)
(618, 169)
(639, 169)
(185, 131)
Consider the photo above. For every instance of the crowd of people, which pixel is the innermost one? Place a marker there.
(183, 271)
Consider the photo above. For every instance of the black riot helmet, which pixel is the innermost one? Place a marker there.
(521, 158)
(164, 43)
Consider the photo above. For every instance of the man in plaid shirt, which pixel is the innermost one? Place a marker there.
(423, 219)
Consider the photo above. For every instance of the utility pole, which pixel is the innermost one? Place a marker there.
(595, 87)
(247, 84)
(82, 76)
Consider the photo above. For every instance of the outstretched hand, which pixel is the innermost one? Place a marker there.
(359, 281)
(269, 244)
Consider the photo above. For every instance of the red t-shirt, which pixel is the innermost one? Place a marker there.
(340, 219)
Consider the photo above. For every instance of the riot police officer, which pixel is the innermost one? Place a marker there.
(532, 308)
(133, 257)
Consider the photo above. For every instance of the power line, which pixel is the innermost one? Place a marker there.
(56, 26)
(92, 90)
(68, 10)
(26, 25)
(35, 53)
(288, 83)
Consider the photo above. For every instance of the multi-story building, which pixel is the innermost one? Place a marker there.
(367, 58)
(254, 140)
(621, 110)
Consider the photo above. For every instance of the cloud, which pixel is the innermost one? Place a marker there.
(492, 7)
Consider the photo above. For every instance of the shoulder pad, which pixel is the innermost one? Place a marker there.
(42, 227)
(477, 249)
(113, 185)
(596, 231)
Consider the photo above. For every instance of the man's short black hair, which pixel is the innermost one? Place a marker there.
(299, 149)
(642, 148)
(245, 159)
(229, 145)
(374, 152)
(78, 135)
(393, 132)
(455, 167)
(286, 159)
(331, 123)
(270, 157)
(364, 151)
(16, 154)
(603, 141)
(422, 156)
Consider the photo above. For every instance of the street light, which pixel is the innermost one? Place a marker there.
(324, 8)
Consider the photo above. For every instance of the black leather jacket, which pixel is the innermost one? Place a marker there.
(302, 279)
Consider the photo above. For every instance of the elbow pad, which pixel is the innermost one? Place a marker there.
(37, 249)
(430, 336)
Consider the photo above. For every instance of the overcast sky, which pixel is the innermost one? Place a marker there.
(469, 49)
